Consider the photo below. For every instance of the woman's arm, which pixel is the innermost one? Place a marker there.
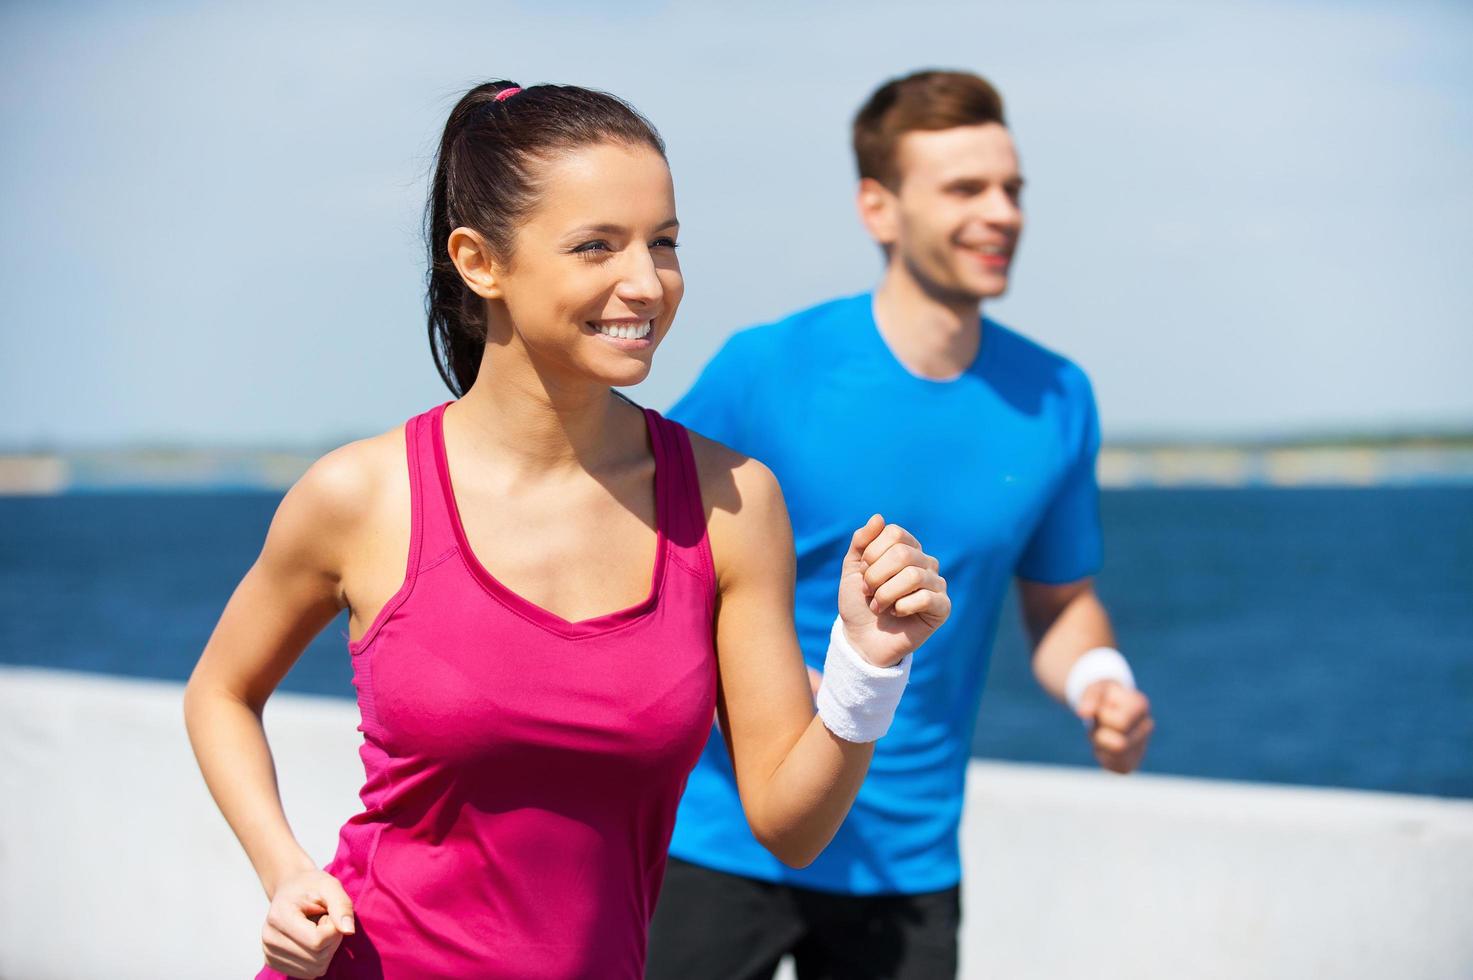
(292, 591)
(796, 778)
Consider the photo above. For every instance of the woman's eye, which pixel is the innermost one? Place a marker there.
(664, 243)
(591, 247)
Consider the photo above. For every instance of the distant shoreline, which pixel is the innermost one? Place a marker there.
(1288, 463)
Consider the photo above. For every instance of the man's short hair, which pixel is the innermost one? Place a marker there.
(925, 100)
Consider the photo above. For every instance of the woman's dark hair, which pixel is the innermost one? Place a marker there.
(486, 179)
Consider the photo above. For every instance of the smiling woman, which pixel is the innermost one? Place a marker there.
(616, 281)
(551, 593)
(497, 150)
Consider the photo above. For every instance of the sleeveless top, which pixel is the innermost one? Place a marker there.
(523, 771)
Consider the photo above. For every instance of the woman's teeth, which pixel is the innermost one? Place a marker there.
(623, 331)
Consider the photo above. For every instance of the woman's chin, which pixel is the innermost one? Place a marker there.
(631, 372)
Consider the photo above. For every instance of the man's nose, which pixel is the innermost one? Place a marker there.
(999, 208)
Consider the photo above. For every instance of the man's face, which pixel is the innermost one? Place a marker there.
(956, 216)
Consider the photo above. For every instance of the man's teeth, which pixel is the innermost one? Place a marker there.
(624, 331)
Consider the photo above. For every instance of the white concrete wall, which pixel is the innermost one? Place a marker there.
(1087, 874)
(114, 862)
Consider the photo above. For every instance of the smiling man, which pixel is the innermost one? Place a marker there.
(992, 443)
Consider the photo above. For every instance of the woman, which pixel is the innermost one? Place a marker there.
(528, 730)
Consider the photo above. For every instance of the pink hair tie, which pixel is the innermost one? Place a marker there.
(507, 93)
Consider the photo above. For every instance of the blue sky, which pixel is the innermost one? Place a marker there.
(1244, 218)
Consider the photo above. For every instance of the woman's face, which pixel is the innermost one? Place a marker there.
(593, 282)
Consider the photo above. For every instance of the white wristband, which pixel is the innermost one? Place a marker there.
(857, 700)
(1099, 664)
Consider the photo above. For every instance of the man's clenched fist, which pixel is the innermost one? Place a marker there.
(1120, 724)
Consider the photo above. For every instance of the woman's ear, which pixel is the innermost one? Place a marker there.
(473, 260)
(879, 211)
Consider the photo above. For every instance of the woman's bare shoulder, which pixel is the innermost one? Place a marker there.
(348, 480)
(731, 480)
(746, 518)
(343, 491)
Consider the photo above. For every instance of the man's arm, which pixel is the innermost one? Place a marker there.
(1065, 622)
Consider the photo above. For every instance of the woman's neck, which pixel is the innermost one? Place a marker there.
(537, 424)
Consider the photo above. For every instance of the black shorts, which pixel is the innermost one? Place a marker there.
(715, 926)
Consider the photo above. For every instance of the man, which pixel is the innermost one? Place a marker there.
(1009, 435)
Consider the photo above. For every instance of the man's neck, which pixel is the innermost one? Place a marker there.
(934, 337)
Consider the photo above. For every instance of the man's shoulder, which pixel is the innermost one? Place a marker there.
(1023, 357)
(800, 329)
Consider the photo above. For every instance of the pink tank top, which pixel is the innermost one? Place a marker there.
(522, 771)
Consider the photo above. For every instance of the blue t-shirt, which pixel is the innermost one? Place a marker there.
(994, 473)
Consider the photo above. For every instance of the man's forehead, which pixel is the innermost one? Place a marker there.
(957, 152)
